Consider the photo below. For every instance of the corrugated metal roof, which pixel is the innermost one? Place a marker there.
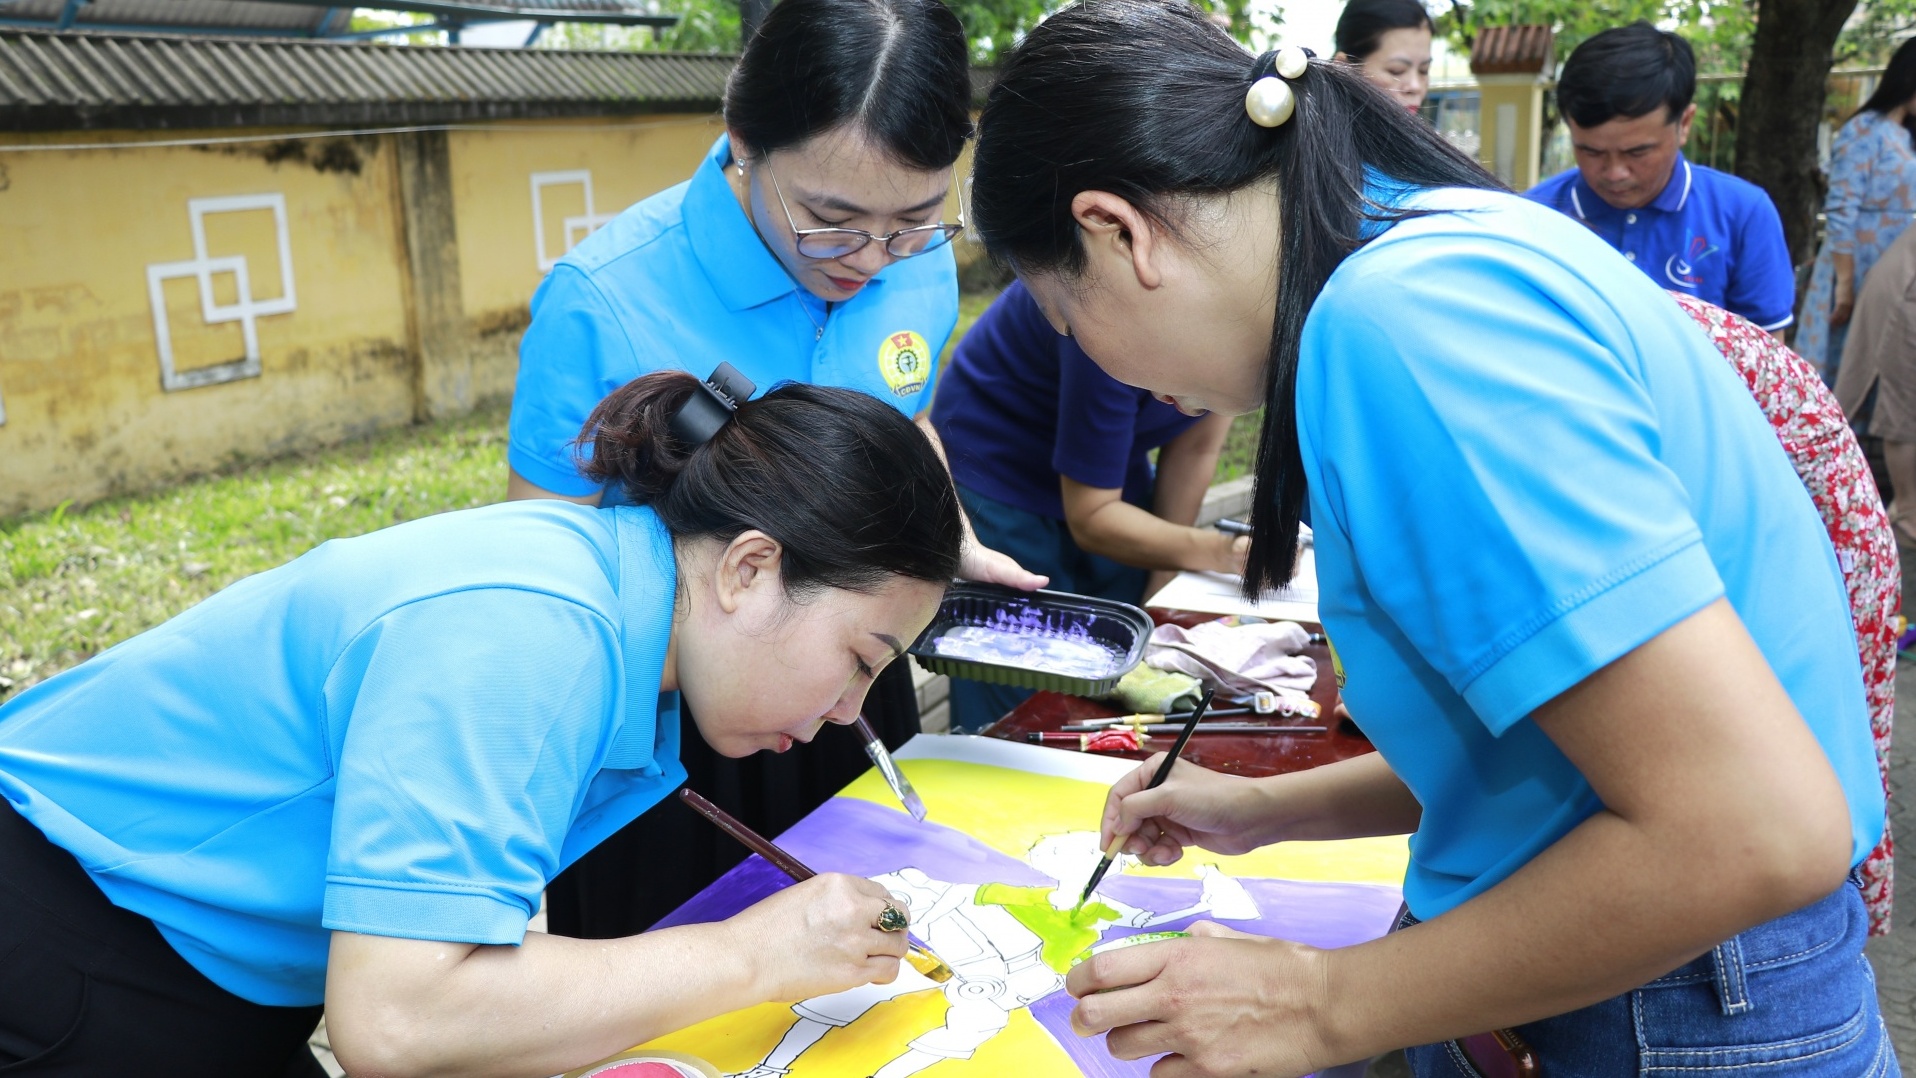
(290, 18)
(186, 15)
(86, 79)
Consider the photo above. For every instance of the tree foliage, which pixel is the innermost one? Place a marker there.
(1719, 30)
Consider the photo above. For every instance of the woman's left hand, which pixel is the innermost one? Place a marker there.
(1220, 1003)
(984, 564)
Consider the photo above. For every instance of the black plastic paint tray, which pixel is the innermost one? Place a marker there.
(1119, 626)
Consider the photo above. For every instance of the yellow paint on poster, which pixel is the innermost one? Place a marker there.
(738, 1041)
(1010, 810)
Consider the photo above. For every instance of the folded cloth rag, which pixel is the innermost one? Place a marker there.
(1238, 659)
(1154, 692)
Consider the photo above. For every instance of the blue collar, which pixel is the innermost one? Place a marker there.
(648, 590)
(1674, 196)
(743, 271)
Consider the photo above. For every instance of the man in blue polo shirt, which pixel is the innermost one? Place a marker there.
(1626, 95)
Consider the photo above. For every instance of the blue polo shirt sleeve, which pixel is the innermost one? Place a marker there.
(1762, 281)
(475, 722)
(1097, 421)
(1496, 470)
(566, 363)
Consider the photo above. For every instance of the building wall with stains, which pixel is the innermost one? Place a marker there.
(516, 191)
(166, 310)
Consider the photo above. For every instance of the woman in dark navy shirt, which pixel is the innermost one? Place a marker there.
(1052, 459)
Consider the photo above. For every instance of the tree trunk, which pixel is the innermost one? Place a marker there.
(1783, 94)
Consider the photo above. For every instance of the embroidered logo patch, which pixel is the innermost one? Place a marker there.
(904, 359)
(1682, 269)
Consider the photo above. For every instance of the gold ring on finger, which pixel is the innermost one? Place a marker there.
(893, 919)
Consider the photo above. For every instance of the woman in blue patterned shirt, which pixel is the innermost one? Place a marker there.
(1871, 200)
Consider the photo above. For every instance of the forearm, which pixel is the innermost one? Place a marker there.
(1186, 467)
(1607, 908)
(923, 421)
(1843, 265)
(544, 1007)
(1719, 811)
(1125, 533)
(1356, 798)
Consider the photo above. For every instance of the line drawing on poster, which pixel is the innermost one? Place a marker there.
(1008, 947)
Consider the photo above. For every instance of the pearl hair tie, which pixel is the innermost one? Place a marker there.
(1270, 101)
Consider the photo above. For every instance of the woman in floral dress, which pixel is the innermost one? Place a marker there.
(1814, 432)
(1871, 199)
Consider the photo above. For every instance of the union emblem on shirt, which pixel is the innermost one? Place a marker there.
(904, 359)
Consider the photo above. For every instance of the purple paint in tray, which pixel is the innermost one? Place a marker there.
(1045, 640)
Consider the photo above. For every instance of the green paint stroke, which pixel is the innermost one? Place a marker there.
(1066, 933)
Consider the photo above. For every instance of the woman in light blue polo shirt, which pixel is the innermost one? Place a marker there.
(349, 779)
(1585, 609)
(809, 246)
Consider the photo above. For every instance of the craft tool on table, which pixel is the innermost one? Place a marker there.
(1157, 780)
(888, 767)
(1237, 527)
(918, 955)
(1165, 729)
(1172, 716)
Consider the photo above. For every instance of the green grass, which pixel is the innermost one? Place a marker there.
(76, 581)
(1239, 455)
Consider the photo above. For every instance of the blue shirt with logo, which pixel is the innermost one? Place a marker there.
(408, 733)
(1023, 405)
(681, 281)
(1707, 233)
(1524, 462)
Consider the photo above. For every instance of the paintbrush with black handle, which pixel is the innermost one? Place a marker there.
(1157, 780)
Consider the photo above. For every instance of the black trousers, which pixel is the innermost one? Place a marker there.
(652, 865)
(87, 988)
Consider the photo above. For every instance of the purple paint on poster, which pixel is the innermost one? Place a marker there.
(865, 839)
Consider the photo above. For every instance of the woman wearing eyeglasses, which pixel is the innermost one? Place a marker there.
(810, 245)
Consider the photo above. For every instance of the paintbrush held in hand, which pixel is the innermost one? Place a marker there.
(1157, 780)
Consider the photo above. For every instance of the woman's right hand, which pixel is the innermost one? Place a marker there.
(1227, 552)
(1225, 814)
(819, 937)
(1845, 301)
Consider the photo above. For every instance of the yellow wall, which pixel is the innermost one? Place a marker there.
(79, 367)
(1524, 95)
(492, 205)
(379, 333)
(80, 382)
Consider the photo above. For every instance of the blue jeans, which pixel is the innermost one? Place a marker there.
(1792, 998)
(1041, 544)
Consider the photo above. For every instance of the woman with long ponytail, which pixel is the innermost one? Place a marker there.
(1581, 603)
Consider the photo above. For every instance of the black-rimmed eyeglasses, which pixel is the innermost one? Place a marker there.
(839, 242)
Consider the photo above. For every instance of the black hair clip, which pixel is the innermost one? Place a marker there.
(706, 410)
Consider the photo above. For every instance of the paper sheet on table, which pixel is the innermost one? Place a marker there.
(1217, 593)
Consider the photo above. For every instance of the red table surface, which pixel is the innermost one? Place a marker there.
(1238, 754)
